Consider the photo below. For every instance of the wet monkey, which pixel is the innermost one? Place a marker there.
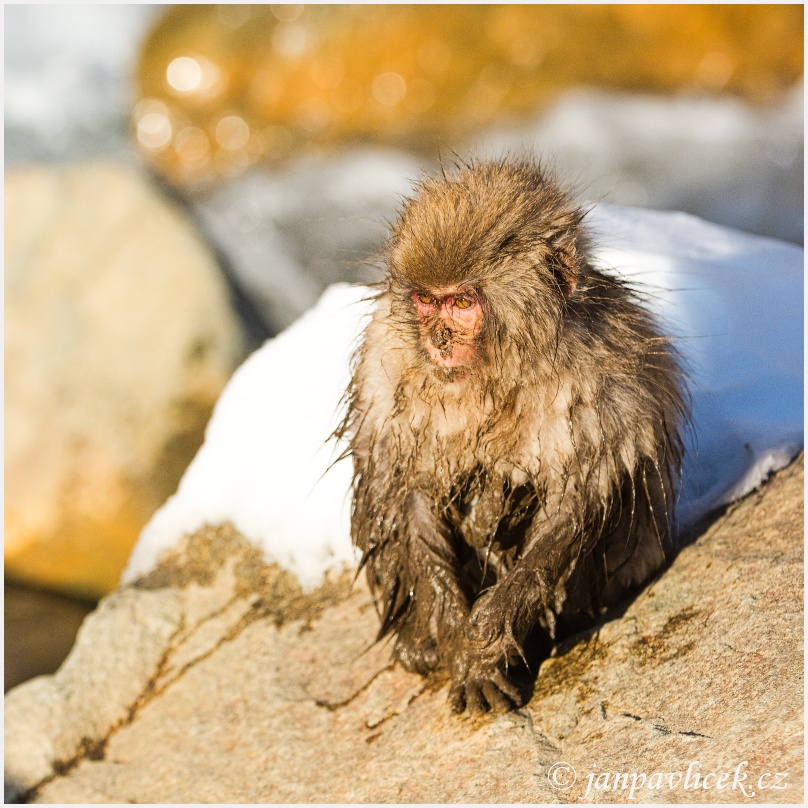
(514, 418)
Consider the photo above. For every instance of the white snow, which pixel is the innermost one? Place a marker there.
(264, 465)
(734, 300)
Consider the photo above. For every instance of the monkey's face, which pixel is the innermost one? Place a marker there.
(481, 266)
(450, 322)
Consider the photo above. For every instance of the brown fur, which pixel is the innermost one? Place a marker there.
(539, 484)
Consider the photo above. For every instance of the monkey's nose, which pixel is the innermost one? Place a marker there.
(440, 336)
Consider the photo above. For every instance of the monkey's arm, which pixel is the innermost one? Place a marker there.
(610, 553)
(411, 570)
(503, 615)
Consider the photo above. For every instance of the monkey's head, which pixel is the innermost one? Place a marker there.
(482, 266)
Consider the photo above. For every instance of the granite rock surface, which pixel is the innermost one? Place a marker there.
(215, 679)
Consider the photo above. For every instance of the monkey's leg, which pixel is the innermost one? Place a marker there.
(415, 576)
(641, 544)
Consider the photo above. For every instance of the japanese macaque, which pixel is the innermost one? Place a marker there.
(514, 418)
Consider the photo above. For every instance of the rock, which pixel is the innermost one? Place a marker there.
(119, 337)
(90, 694)
(215, 679)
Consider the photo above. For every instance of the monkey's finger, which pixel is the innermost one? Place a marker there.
(496, 699)
(475, 701)
(457, 699)
(507, 687)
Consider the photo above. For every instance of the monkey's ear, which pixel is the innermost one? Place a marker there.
(564, 265)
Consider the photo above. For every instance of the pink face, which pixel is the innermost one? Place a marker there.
(450, 321)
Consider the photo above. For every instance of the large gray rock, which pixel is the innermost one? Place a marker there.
(119, 337)
(214, 679)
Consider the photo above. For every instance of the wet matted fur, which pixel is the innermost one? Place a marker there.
(535, 485)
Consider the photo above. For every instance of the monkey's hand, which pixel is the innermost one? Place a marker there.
(415, 649)
(480, 666)
(435, 622)
(480, 685)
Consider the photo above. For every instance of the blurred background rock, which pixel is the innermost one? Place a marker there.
(120, 335)
(284, 137)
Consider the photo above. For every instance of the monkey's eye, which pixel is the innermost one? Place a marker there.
(425, 299)
(462, 302)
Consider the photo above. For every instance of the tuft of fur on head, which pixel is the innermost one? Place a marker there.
(464, 228)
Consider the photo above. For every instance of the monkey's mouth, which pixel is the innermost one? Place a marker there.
(449, 375)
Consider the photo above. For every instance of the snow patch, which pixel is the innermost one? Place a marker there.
(266, 463)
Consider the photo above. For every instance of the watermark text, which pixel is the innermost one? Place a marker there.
(562, 776)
